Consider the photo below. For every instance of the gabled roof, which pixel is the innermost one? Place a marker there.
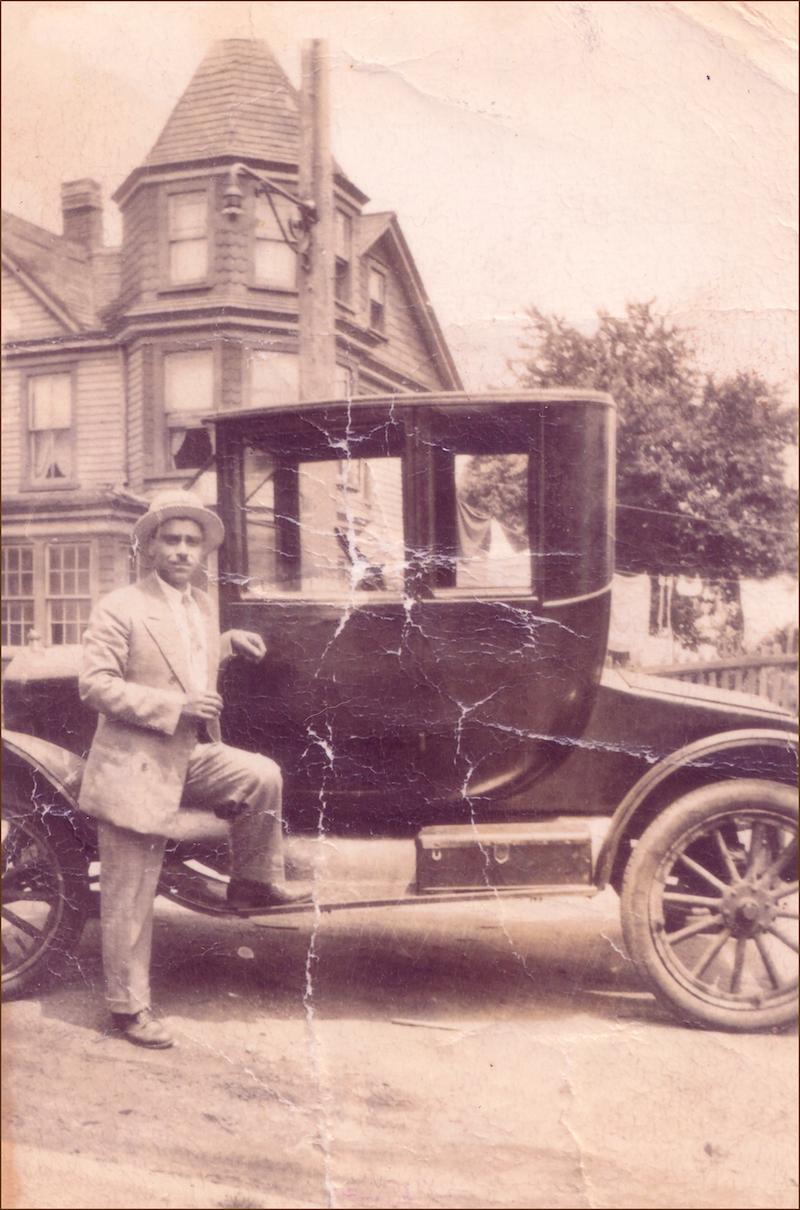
(238, 102)
(369, 228)
(72, 285)
(372, 229)
(54, 268)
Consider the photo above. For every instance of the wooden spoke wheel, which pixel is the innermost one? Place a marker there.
(710, 905)
(45, 898)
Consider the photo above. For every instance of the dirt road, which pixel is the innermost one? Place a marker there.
(484, 1056)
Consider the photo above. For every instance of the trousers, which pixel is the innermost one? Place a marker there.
(130, 862)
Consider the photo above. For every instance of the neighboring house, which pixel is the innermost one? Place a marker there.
(113, 356)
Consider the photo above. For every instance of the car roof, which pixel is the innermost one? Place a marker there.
(438, 399)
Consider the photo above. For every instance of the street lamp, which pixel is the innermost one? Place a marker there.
(297, 233)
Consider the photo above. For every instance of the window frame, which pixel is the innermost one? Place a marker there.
(50, 599)
(162, 457)
(412, 432)
(350, 376)
(439, 578)
(41, 594)
(254, 281)
(249, 352)
(343, 268)
(288, 567)
(27, 480)
(374, 268)
(10, 599)
(170, 190)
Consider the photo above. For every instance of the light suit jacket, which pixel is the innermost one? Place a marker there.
(135, 673)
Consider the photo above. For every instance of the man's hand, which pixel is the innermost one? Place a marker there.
(202, 707)
(248, 645)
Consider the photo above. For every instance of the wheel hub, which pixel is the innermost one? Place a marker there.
(748, 909)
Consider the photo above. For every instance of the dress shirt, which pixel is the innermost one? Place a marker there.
(192, 629)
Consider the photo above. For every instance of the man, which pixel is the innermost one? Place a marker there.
(150, 662)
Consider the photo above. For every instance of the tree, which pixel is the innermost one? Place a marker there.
(700, 470)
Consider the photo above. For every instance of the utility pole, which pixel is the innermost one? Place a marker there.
(316, 305)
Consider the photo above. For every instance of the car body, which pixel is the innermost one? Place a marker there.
(432, 577)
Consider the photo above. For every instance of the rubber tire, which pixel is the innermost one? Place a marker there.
(71, 864)
(686, 813)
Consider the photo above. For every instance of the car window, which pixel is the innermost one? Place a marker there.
(259, 513)
(321, 528)
(492, 528)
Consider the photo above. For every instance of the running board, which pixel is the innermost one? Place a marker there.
(210, 901)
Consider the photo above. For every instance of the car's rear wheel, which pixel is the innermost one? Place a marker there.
(710, 905)
(45, 898)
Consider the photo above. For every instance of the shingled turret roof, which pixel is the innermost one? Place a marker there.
(238, 102)
(238, 105)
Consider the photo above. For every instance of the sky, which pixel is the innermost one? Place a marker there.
(567, 155)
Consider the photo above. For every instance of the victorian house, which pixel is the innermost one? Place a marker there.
(113, 356)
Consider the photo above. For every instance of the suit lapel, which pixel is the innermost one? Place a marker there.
(162, 628)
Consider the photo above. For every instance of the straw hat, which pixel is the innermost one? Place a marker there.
(177, 502)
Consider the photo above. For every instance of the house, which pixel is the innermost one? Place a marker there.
(113, 356)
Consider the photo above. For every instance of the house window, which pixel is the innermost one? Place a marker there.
(50, 427)
(343, 382)
(275, 259)
(377, 299)
(274, 378)
(69, 601)
(188, 396)
(188, 237)
(17, 608)
(343, 243)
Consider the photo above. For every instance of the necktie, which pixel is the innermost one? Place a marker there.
(196, 643)
(197, 657)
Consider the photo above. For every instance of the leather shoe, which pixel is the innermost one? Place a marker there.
(142, 1029)
(246, 895)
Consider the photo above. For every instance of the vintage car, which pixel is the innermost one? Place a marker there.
(432, 576)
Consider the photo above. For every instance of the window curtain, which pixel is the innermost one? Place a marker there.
(486, 556)
(474, 530)
(50, 418)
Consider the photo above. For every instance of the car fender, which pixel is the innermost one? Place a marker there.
(751, 752)
(30, 761)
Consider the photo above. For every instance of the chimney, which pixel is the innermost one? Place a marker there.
(82, 213)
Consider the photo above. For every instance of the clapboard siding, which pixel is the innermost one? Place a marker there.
(404, 351)
(12, 431)
(135, 373)
(24, 316)
(100, 412)
(140, 266)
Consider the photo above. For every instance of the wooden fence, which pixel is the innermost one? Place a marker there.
(770, 676)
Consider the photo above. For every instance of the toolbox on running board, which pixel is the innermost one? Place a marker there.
(506, 855)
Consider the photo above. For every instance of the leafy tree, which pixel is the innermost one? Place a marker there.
(701, 483)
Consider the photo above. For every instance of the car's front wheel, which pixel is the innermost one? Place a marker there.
(45, 897)
(710, 905)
